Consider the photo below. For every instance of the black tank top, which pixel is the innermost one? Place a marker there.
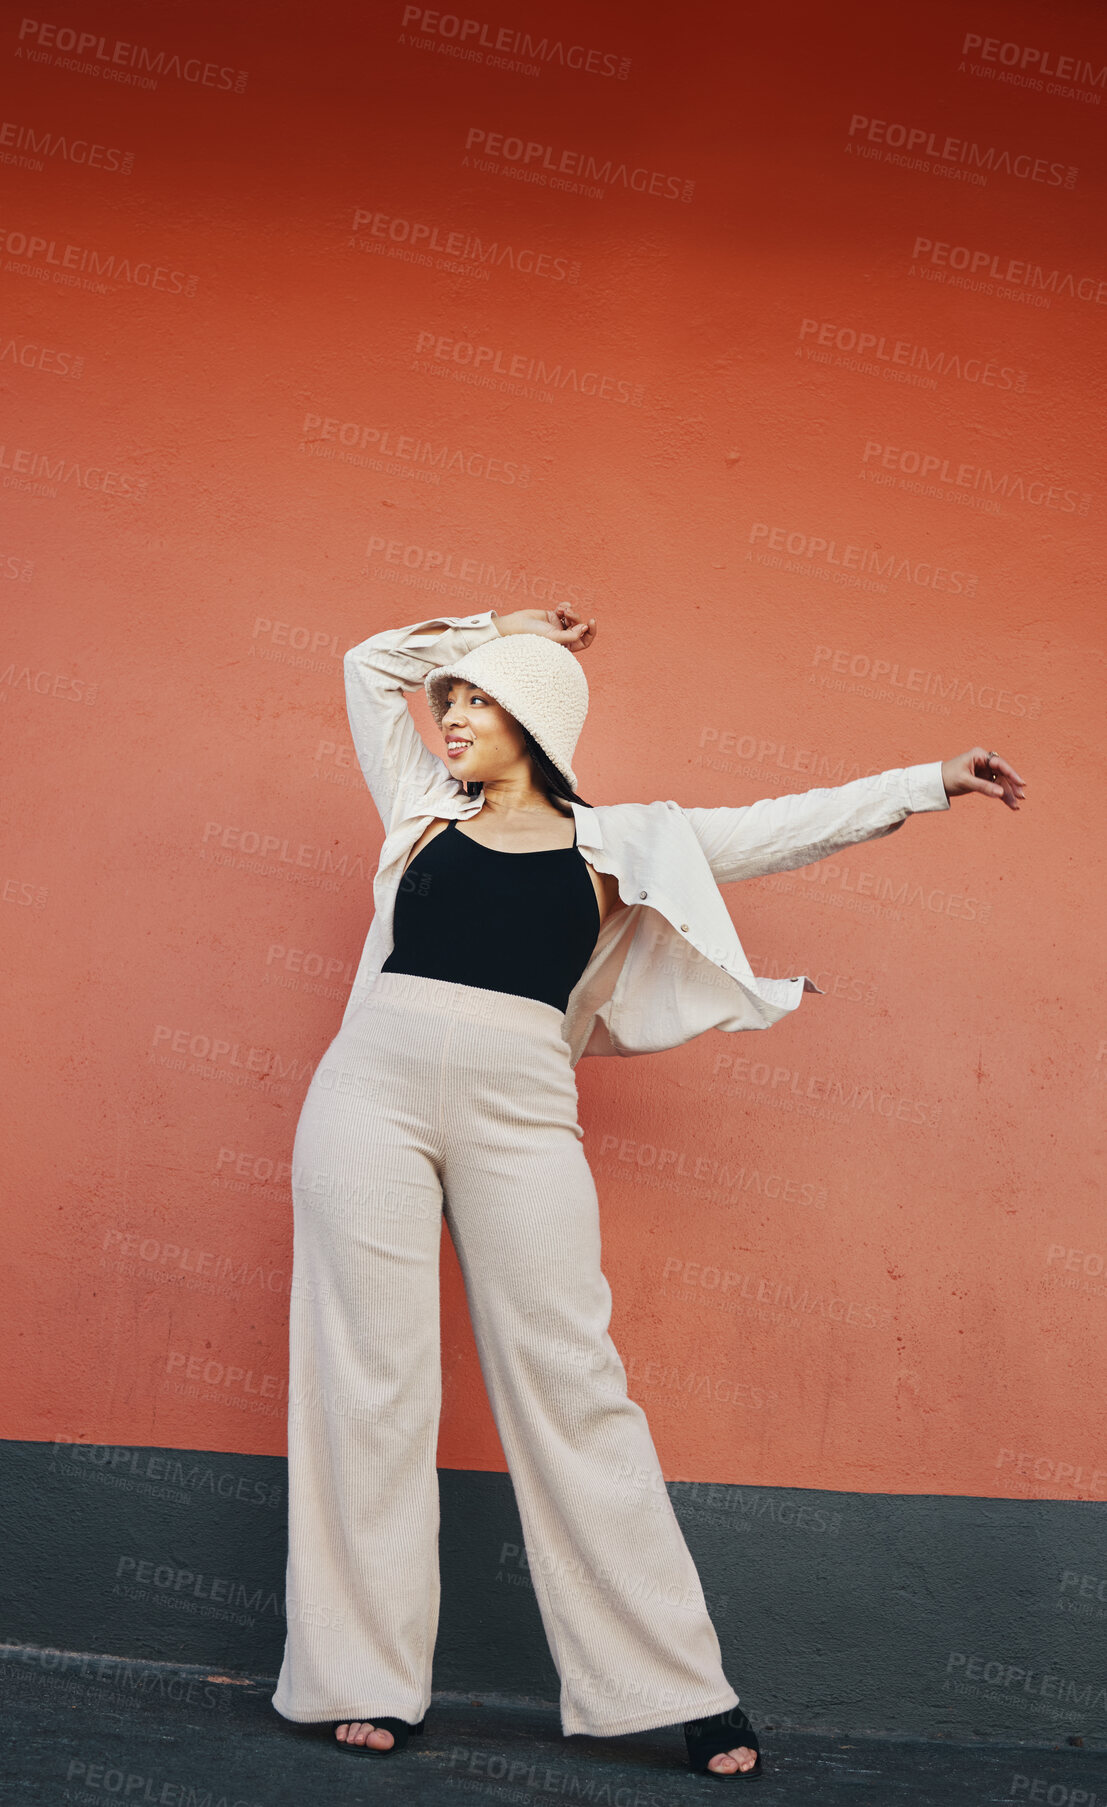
(519, 922)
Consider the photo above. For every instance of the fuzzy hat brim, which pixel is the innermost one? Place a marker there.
(536, 679)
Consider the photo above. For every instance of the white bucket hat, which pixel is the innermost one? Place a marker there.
(537, 680)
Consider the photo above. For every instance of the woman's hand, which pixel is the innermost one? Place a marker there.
(563, 624)
(996, 778)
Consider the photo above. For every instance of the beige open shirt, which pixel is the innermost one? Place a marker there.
(671, 964)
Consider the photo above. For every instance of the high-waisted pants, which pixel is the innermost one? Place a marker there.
(441, 1098)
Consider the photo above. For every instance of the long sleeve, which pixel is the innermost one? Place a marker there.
(779, 833)
(391, 752)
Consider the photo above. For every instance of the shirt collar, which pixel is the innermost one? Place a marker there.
(588, 827)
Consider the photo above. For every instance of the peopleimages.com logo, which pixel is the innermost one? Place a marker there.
(1039, 62)
(497, 361)
(471, 39)
(37, 465)
(51, 360)
(119, 60)
(877, 560)
(77, 264)
(1019, 272)
(353, 441)
(1012, 486)
(33, 143)
(508, 578)
(909, 355)
(537, 161)
(460, 245)
(921, 143)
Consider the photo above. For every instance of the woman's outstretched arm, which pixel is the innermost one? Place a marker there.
(777, 834)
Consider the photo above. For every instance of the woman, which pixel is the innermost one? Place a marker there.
(516, 929)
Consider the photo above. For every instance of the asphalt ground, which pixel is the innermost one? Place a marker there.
(88, 1731)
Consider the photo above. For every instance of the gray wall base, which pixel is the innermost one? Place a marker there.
(911, 1615)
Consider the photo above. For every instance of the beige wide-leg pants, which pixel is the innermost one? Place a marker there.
(440, 1097)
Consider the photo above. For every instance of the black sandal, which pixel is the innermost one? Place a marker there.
(721, 1732)
(401, 1731)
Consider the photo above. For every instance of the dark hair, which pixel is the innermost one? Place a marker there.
(552, 781)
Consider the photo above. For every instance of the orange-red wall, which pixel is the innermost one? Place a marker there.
(837, 504)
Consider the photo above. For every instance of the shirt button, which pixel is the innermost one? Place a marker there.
(684, 928)
(641, 894)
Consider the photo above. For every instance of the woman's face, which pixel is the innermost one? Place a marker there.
(482, 740)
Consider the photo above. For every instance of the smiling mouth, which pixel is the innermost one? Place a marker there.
(455, 747)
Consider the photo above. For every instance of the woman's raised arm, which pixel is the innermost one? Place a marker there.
(396, 763)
